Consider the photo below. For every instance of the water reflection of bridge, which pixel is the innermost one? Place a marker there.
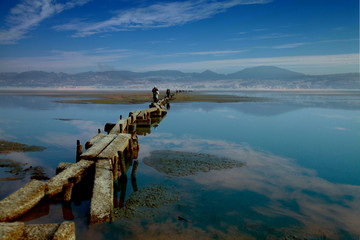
(99, 174)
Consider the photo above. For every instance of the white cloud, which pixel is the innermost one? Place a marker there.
(77, 61)
(276, 35)
(307, 64)
(333, 116)
(28, 14)
(231, 116)
(293, 45)
(159, 15)
(340, 128)
(290, 45)
(109, 50)
(67, 61)
(206, 53)
(214, 52)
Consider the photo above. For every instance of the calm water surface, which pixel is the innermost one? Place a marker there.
(300, 149)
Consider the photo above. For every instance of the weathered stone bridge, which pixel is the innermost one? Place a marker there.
(107, 154)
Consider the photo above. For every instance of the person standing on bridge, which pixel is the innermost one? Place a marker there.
(168, 92)
(155, 92)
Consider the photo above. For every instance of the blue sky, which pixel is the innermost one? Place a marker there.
(308, 36)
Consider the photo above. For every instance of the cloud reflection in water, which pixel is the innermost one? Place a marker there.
(68, 140)
(321, 206)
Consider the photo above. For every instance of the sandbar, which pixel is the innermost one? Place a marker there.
(132, 97)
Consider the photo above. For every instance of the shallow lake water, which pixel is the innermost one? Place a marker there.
(300, 151)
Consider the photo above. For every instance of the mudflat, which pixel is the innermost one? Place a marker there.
(130, 97)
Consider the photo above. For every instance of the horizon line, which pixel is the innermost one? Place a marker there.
(175, 70)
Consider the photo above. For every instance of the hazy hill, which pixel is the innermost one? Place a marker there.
(256, 77)
(266, 72)
(209, 75)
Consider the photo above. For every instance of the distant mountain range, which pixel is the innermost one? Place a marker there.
(265, 77)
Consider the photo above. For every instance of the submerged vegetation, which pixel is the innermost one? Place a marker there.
(18, 171)
(8, 147)
(146, 202)
(177, 164)
(14, 170)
